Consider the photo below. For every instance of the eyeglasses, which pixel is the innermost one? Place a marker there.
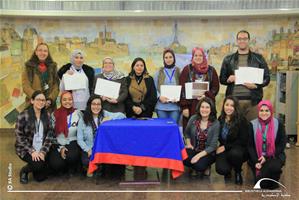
(96, 104)
(40, 100)
(243, 39)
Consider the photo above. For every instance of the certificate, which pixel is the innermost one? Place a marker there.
(172, 92)
(75, 81)
(193, 90)
(249, 75)
(107, 88)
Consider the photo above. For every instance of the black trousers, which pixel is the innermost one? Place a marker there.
(272, 168)
(71, 162)
(84, 159)
(203, 163)
(232, 159)
(39, 169)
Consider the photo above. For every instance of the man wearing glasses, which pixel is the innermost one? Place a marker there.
(249, 94)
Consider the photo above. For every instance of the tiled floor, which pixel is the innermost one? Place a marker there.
(212, 187)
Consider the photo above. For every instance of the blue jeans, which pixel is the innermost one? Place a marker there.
(173, 114)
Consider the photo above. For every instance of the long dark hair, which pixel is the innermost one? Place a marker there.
(87, 116)
(34, 58)
(236, 118)
(44, 117)
(132, 72)
(213, 114)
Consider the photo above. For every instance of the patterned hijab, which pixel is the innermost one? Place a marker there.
(201, 68)
(113, 75)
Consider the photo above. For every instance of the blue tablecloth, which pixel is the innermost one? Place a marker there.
(152, 142)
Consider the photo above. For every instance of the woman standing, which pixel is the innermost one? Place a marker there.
(66, 153)
(40, 73)
(233, 138)
(142, 95)
(109, 73)
(33, 138)
(201, 137)
(266, 146)
(80, 96)
(198, 70)
(169, 74)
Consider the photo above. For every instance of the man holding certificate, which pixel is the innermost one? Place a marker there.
(245, 73)
(114, 80)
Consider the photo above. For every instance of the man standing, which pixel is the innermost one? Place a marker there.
(249, 94)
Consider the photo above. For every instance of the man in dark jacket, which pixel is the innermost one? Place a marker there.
(249, 94)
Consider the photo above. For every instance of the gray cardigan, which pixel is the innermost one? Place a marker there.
(213, 133)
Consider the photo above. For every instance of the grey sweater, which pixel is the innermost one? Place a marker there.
(213, 133)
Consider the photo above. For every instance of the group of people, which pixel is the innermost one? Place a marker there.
(61, 139)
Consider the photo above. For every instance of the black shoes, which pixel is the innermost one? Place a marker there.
(23, 176)
(238, 178)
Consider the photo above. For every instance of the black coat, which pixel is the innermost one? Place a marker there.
(149, 102)
(230, 64)
(87, 70)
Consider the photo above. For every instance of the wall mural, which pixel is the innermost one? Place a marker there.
(276, 38)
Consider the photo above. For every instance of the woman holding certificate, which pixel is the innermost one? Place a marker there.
(78, 78)
(201, 137)
(205, 80)
(166, 76)
(109, 73)
(142, 95)
(65, 154)
(233, 138)
(40, 74)
(266, 145)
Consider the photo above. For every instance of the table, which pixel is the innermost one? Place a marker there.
(153, 143)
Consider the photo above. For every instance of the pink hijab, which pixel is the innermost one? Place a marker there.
(270, 132)
(202, 67)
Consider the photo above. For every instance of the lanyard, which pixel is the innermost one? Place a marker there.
(172, 73)
(37, 126)
(70, 121)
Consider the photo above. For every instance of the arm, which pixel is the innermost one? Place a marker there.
(123, 93)
(214, 133)
(184, 103)
(264, 65)
(214, 86)
(225, 72)
(242, 137)
(28, 90)
(280, 142)
(129, 101)
(156, 82)
(150, 99)
(80, 135)
(54, 90)
(48, 140)
(251, 146)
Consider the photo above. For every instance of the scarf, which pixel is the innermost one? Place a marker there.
(201, 68)
(172, 53)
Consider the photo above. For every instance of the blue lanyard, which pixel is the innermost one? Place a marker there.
(70, 121)
(169, 77)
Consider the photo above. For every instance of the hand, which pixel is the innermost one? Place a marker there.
(200, 97)
(104, 98)
(70, 72)
(258, 166)
(111, 100)
(186, 113)
(196, 158)
(41, 156)
(250, 85)
(137, 110)
(89, 153)
(189, 146)
(231, 79)
(220, 149)
(35, 156)
(163, 99)
(63, 152)
(262, 160)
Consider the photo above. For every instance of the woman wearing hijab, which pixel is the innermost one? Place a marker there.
(266, 146)
(76, 65)
(40, 74)
(142, 95)
(169, 74)
(65, 154)
(109, 73)
(33, 138)
(197, 70)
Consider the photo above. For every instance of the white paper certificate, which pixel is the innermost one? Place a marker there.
(172, 92)
(249, 75)
(75, 81)
(196, 89)
(107, 88)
